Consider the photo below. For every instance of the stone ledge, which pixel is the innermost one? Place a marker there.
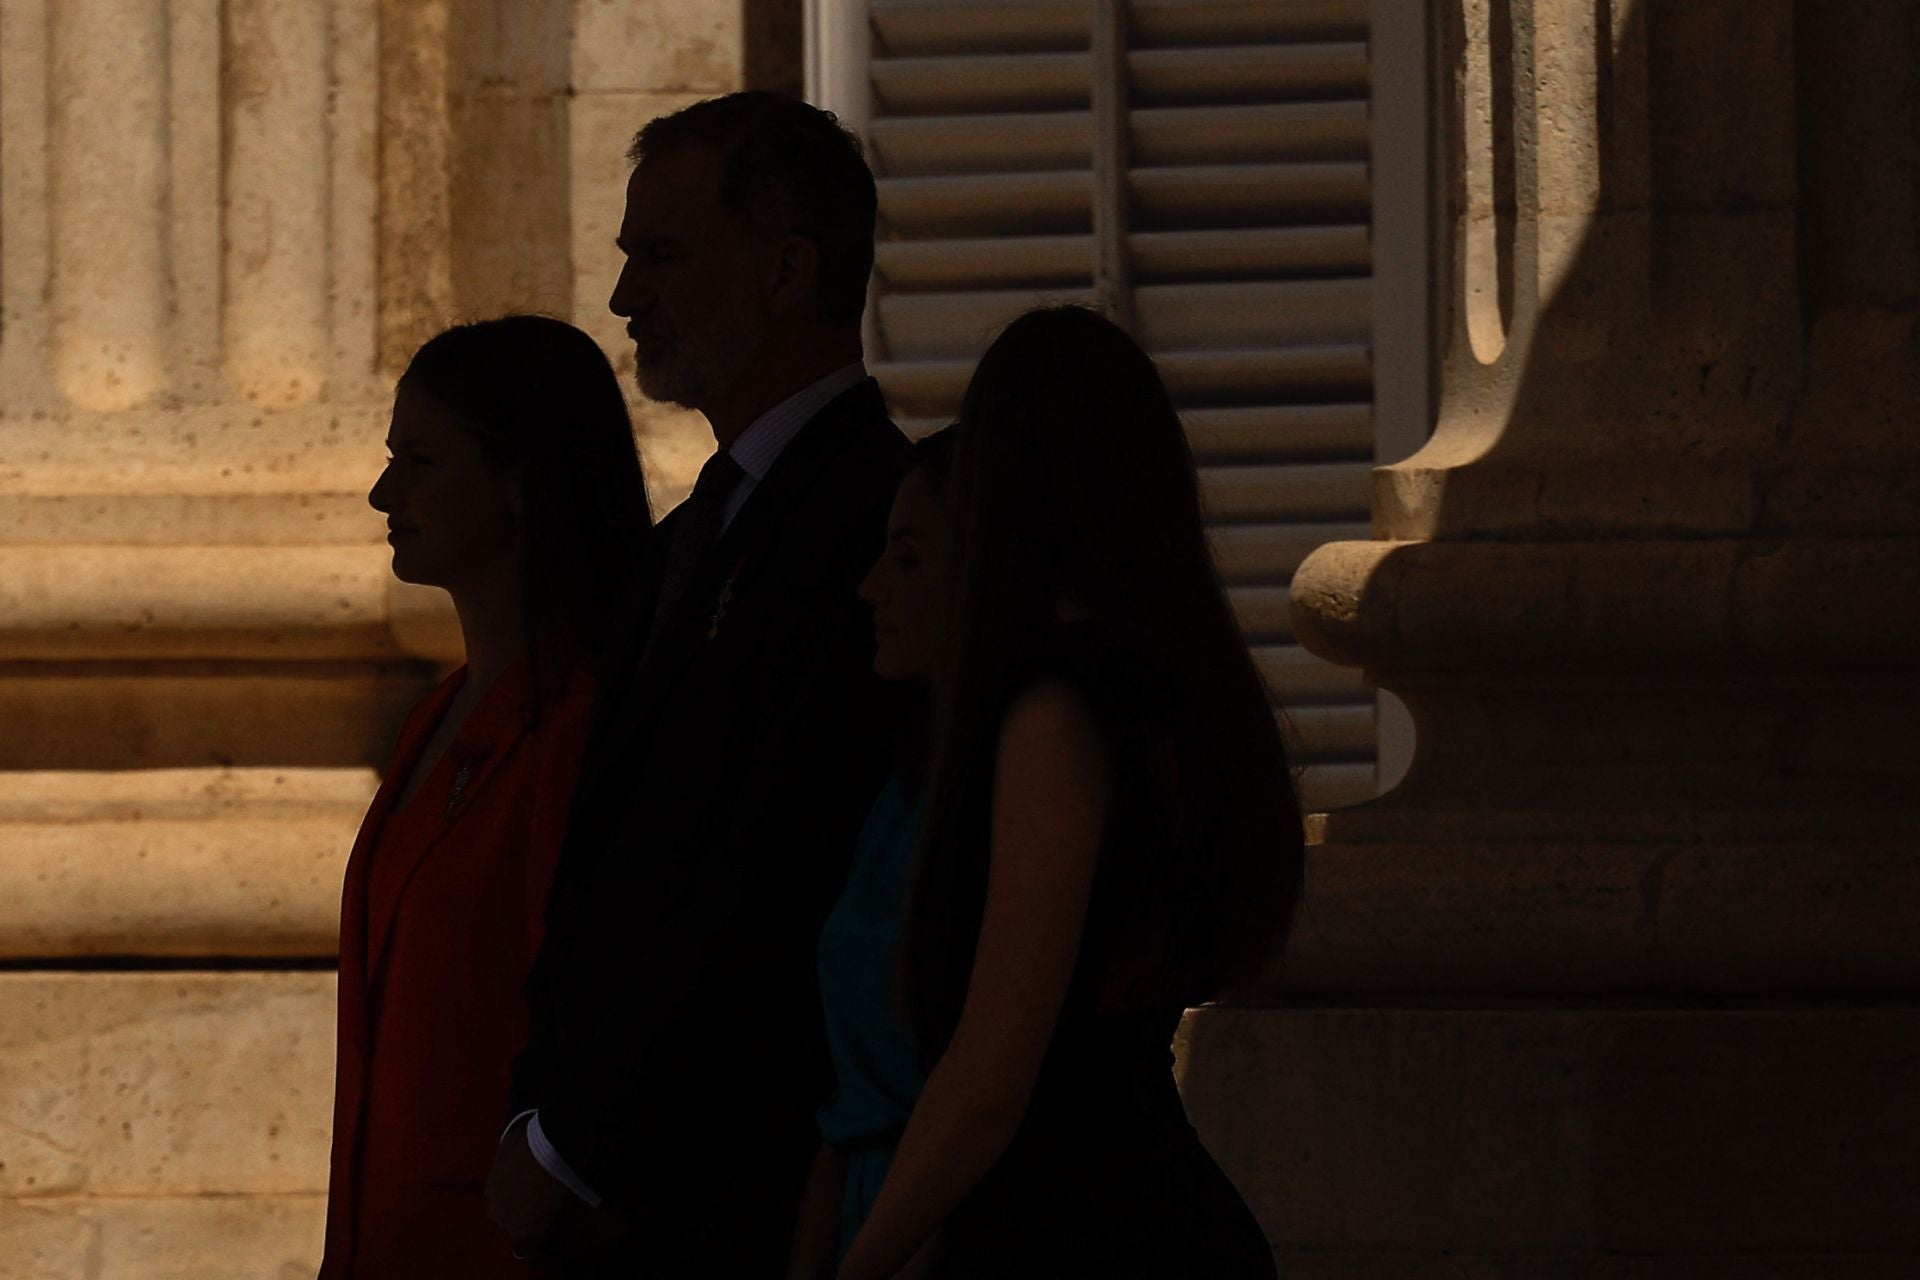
(162, 1238)
(1728, 1266)
(290, 603)
(308, 518)
(1672, 917)
(1704, 605)
(142, 1084)
(207, 449)
(148, 715)
(1610, 1134)
(240, 862)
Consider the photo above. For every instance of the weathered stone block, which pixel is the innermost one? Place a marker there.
(1593, 1136)
(144, 1084)
(162, 1238)
(165, 715)
(664, 46)
(1668, 917)
(176, 862)
(88, 602)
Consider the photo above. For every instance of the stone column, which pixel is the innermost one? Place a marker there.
(1620, 980)
(224, 224)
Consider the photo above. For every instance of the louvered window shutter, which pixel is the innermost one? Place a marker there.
(1217, 203)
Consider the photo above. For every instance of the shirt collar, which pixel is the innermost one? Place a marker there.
(761, 444)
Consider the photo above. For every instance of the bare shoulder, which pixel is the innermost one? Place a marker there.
(1050, 731)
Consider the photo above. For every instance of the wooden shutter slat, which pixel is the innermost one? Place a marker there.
(985, 82)
(1249, 553)
(957, 26)
(1231, 136)
(1248, 194)
(1323, 372)
(1251, 313)
(935, 325)
(911, 146)
(1185, 22)
(1296, 676)
(1260, 432)
(923, 388)
(1006, 260)
(1240, 252)
(1009, 204)
(1314, 491)
(1230, 314)
(939, 85)
(1239, 134)
(934, 385)
(1158, 255)
(1248, 73)
(1262, 612)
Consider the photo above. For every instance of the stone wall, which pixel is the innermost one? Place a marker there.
(224, 224)
(1620, 980)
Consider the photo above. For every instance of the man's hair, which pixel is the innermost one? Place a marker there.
(786, 168)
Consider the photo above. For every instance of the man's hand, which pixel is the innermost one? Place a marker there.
(524, 1200)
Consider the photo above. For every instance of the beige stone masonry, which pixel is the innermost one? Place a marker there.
(110, 716)
(1620, 979)
(1566, 1143)
(188, 862)
(227, 223)
(163, 1237)
(144, 1084)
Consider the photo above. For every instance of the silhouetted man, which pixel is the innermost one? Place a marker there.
(666, 1101)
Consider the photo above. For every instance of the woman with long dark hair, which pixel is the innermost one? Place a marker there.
(1111, 837)
(514, 485)
(877, 1067)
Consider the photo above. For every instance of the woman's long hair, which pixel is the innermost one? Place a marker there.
(542, 400)
(1073, 484)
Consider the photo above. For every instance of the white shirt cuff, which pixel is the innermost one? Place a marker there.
(551, 1160)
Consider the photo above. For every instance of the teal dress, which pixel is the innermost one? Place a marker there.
(877, 1067)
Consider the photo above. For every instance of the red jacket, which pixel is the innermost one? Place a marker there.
(440, 917)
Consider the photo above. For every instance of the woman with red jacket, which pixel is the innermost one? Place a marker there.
(513, 484)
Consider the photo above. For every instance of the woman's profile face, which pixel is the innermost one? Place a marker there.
(908, 585)
(452, 516)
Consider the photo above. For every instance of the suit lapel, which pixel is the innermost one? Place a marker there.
(750, 536)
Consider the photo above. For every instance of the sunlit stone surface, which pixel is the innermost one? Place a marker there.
(223, 228)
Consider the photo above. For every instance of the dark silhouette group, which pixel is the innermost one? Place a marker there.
(808, 885)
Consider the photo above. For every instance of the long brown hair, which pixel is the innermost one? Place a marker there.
(1073, 483)
(540, 397)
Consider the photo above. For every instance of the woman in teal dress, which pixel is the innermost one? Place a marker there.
(1111, 837)
(877, 1062)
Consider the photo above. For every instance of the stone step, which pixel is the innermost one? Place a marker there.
(152, 715)
(109, 601)
(176, 862)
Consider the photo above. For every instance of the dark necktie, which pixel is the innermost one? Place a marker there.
(696, 528)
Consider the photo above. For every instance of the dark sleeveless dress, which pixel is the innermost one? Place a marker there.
(1105, 1177)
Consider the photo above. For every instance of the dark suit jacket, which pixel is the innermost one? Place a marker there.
(677, 1052)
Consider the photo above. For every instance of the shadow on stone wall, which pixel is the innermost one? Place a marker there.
(1610, 972)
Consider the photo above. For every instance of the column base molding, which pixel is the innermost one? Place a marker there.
(1382, 1143)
